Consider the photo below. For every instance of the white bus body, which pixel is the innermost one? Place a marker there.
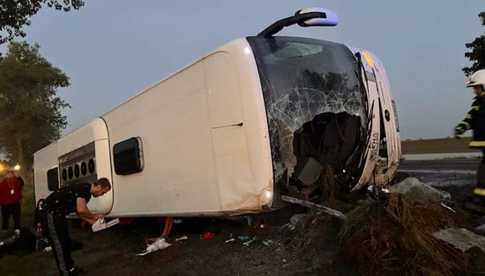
(212, 139)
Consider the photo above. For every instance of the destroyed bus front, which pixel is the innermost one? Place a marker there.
(316, 112)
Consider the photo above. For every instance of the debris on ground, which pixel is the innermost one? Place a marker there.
(243, 238)
(395, 236)
(268, 242)
(19, 242)
(207, 235)
(101, 224)
(247, 243)
(470, 244)
(230, 240)
(330, 211)
(11, 239)
(480, 229)
(419, 190)
(461, 239)
(158, 244)
(297, 220)
(182, 238)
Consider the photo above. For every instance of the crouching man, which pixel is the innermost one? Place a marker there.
(52, 211)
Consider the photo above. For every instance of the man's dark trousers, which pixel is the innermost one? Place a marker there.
(57, 231)
(11, 210)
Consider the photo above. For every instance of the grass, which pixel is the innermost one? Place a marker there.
(439, 145)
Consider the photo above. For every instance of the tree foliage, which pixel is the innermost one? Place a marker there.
(30, 111)
(14, 14)
(476, 52)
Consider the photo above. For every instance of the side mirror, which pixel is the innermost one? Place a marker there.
(326, 17)
(306, 18)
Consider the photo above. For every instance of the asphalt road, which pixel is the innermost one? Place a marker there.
(458, 165)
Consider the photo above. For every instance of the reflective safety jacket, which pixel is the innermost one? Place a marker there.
(475, 120)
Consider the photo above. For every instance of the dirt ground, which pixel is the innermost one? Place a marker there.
(113, 251)
(310, 249)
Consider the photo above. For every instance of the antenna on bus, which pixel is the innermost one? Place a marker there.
(305, 18)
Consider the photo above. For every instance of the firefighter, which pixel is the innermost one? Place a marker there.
(475, 120)
(51, 218)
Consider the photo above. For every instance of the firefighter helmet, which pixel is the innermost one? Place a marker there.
(477, 78)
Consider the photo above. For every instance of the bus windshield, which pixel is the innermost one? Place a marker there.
(304, 80)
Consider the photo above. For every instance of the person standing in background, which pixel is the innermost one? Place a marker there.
(475, 120)
(10, 196)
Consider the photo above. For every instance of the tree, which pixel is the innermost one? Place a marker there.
(14, 14)
(30, 112)
(476, 54)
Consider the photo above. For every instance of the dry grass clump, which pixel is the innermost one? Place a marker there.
(395, 237)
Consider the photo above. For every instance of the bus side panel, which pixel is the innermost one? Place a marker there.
(235, 178)
(172, 120)
(246, 173)
(44, 160)
(84, 145)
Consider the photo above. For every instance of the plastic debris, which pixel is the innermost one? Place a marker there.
(230, 240)
(158, 244)
(47, 249)
(243, 238)
(207, 235)
(101, 224)
(268, 242)
(287, 226)
(247, 243)
(183, 238)
(448, 207)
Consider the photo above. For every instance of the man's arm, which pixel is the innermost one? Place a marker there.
(465, 124)
(83, 211)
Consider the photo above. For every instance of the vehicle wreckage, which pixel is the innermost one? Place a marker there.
(258, 119)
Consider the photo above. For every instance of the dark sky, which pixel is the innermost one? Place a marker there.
(113, 49)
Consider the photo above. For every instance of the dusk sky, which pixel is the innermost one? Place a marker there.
(111, 50)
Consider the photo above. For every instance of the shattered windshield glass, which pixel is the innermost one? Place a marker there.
(304, 80)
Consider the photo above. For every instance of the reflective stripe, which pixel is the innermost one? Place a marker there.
(477, 144)
(57, 244)
(476, 107)
(478, 191)
(468, 116)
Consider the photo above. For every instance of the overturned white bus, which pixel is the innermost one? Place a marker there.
(227, 135)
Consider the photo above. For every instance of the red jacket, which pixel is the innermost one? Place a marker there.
(11, 190)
